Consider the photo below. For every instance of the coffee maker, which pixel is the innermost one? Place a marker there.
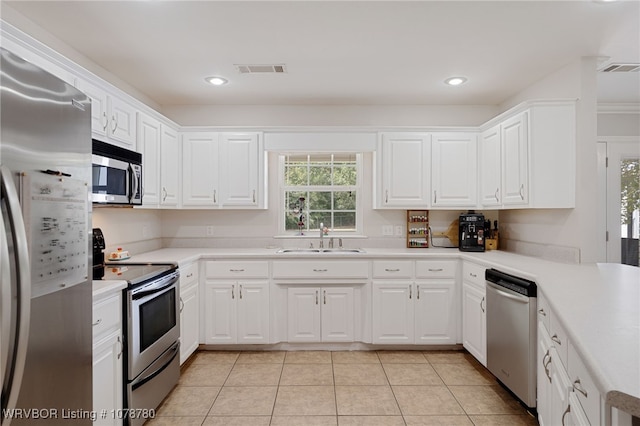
(98, 254)
(471, 232)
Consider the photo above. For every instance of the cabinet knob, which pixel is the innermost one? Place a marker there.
(577, 386)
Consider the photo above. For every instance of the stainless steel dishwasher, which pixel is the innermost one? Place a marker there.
(511, 333)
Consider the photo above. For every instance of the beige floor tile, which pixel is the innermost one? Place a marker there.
(504, 420)
(188, 401)
(254, 375)
(305, 401)
(176, 421)
(449, 357)
(307, 374)
(308, 357)
(402, 357)
(366, 401)
(370, 421)
(218, 357)
(464, 374)
(438, 420)
(426, 400)
(486, 400)
(244, 401)
(304, 421)
(412, 374)
(355, 357)
(237, 421)
(359, 374)
(205, 375)
(261, 357)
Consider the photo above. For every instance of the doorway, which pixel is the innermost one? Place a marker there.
(622, 199)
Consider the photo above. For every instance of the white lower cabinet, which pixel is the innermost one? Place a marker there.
(107, 358)
(236, 312)
(435, 313)
(317, 314)
(474, 313)
(393, 318)
(189, 311)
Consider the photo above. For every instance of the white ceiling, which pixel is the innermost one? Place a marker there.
(355, 52)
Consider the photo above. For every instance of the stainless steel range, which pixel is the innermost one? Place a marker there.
(152, 324)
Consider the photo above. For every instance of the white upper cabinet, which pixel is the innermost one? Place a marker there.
(515, 160)
(200, 169)
(240, 169)
(454, 159)
(112, 119)
(149, 147)
(490, 168)
(404, 177)
(169, 167)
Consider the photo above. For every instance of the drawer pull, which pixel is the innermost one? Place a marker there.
(392, 270)
(236, 270)
(545, 364)
(473, 275)
(565, 413)
(97, 322)
(542, 312)
(577, 386)
(319, 270)
(190, 275)
(556, 339)
(482, 304)
(121, 347)
(435, 269)
(181, 305)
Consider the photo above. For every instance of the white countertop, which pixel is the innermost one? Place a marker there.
(102, 289)
(598, 304)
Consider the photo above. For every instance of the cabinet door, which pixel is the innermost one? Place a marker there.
(405, 170)
(169, 167)
(200, 169)
(515, 160)
(303, 309)
(240, 169)
(490, 168)
(435, 313)
(474, 322)
(99, 117)
(107, 377)
(122, 122)
(189, 321)
(393, 312)
(561, 386)
(454, 158)
(220, 312)
(253, 312)
(544, 376)
(149, 146)
(337, 314)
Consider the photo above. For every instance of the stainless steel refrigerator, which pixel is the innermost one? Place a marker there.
(45, 256)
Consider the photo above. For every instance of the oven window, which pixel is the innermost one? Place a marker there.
(157, 317)
(109, 180)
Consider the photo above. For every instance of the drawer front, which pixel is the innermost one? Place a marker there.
(584, 387)
(473, 273)
(240, 269)
(189, 275)
(436, 269)
(106, 316)
(321, 269)
(559, 339)
(544, 311)
(393, 269)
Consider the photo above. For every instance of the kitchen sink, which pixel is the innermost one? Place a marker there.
(320, 251)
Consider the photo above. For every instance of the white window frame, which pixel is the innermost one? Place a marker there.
(314, 233)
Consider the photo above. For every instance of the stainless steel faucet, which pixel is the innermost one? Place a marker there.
(321, 235)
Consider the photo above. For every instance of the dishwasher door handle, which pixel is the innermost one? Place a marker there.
(512, 296)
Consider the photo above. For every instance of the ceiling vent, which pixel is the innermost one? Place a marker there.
(621, 68)
(262, 69)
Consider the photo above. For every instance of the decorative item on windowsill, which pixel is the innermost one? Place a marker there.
(298, 211)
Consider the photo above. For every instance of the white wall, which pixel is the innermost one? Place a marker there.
(132, 229)
(534, 231)
(614, 121)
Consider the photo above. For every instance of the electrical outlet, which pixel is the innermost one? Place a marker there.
(209, 231)
(398, 231)
(387, 230)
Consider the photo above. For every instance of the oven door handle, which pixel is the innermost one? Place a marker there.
(165, 360)
(158, 288)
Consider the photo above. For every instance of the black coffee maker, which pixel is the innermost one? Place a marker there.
(98, 254)
(471, 232)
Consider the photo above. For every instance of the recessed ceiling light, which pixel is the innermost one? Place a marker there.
(216, 81)
(455, 81)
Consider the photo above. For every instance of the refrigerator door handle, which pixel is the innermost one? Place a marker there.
(17, 357)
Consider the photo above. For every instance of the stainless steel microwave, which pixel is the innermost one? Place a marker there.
(116, 175)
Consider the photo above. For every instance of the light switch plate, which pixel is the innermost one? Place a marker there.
(398, 230)
(387, 230)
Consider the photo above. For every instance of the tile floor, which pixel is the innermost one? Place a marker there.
(338, 388)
